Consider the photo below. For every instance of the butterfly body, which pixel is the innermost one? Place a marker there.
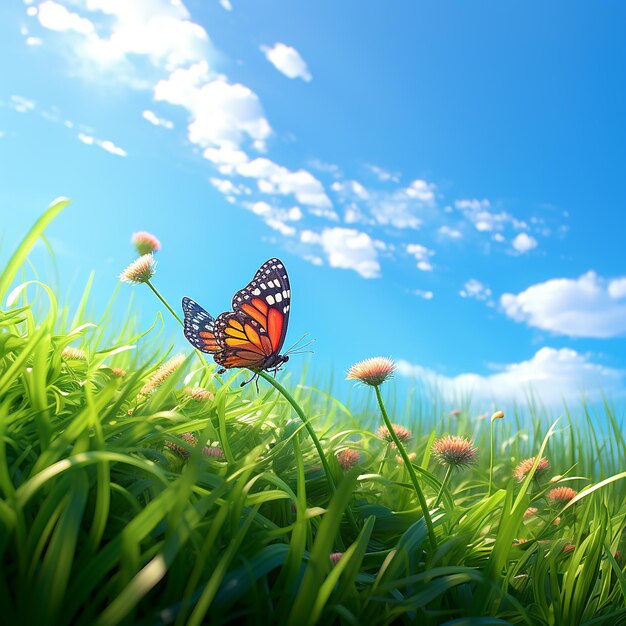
(253, 333)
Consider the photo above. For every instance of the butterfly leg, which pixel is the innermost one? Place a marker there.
(254, 376)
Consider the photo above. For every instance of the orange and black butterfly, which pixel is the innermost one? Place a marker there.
(253, 333)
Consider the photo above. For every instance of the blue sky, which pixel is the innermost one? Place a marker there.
(443, 180)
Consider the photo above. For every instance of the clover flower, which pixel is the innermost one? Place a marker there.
(73, 354)
(561, 495)
(145, 242)
(454, 451)
(373, 372)
(162, 373)
(523, 468)
(141, 270)
(348, 458)
(402, 433)
(198, 394)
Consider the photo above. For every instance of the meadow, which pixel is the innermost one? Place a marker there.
(141, 487)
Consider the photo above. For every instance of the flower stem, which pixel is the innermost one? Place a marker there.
(409, 467)
(444, 484)
(490, 458)
(162, 299)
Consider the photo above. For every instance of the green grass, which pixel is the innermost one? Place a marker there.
(102, 522)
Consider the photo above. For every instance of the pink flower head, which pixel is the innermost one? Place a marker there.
(213, 452)
(145, 242)
(348, 458)
(402, 433)
(141, 270)
(373, 372)
(335, 556)
(522, 469)
(454, 451)
(561, 495)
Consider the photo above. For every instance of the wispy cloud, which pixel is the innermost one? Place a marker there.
(105, 144)
(155, 120)
(476, 290)
(287, 61)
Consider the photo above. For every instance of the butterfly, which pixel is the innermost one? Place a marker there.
(253, 333)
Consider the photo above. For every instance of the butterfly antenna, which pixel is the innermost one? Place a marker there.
(297, 349)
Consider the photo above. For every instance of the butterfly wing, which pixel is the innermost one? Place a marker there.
(199, 327)
(255, 330)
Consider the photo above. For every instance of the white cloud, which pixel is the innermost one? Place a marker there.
(21, 104)
(589, 306)
(478, 291)
(159, 30)
(421, 190)
(452, 233)
(33, 41)
(54, 16)
(422, 255)
(105, 144)
(427, 295)
(226, 5)
(383, 175)
(223, 115)
(276, 179)
(524, 242)
(479, 213)
(350, 189)
(288, 61)
(347, 248)
(154, 119)
(552, 375)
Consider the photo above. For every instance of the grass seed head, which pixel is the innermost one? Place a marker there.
(198, 394)
(145, 242)
(213, 452)
(373, 372)
(498, 415)
(531, 511)
(141, 270)
(402, 433)
(162, 373)
(523, 467)
(454, 451)
(73, 354)
(118, 372)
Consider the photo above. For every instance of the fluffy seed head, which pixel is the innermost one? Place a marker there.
(348, 458)
(335, 556)
(402, 433)
(561, 495)
(141, 270)
(145, 242)
(373, 372)
(162, 373)
(73, 354)
(498, 415)
(198, 393)
(454, 451)
(521, 470)
(531, 511)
